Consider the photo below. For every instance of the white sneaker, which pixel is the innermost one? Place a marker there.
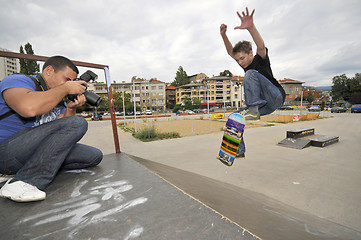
(20, 191)
(4, 177)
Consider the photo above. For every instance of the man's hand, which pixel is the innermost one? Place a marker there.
(79, 101)
(246, 20)
(75, 87)
(223, 29)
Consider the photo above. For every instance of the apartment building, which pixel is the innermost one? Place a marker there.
(8, 66)
(192, 91)
(170, 98)
(152, 94)
(318, 95)
(149, 94)
(293, 88)
(237, 92)
(217, 91)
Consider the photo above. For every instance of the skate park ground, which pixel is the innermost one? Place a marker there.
(177, 189)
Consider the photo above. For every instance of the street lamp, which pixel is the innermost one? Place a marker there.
(135, 115)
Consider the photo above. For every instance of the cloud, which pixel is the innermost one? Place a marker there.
(310, 41)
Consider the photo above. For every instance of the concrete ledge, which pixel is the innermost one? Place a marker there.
(119, 199)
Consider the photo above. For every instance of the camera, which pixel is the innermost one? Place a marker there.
(92, 98)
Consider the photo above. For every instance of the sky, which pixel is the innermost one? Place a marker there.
(308, 40)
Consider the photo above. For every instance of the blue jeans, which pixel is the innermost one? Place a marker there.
(36, 154)
(258, 90)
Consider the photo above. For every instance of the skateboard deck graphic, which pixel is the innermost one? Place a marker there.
(233, 133)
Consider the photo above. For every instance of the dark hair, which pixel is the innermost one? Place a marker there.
(242, 46)
(59, 63)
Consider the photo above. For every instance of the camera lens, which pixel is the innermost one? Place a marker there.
(92, 98)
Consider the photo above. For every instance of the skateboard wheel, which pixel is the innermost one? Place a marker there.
(224, 128)
(239, 135)
(218, 157)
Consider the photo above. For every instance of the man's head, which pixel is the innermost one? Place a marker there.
(58, 69)
(243, 53)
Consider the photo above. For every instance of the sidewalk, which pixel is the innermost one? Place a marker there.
(324, 182)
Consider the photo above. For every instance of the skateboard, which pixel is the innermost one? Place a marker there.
(233, 133)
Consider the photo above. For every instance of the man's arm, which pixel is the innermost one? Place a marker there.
(29, 103)
(247, 23)
(226, 41)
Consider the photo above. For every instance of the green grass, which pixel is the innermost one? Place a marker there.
(151, 134)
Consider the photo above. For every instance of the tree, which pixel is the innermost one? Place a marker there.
(28, 67)
(345, 88)
(197, 103)
(104, 105)
(181, 78)
(355, 98)
(188, 103)
(176, 108)
(339, 87)
(118, 102)
(226, 73)
(355, 89)
(310, 98)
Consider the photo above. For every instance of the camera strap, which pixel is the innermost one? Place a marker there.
(40, 85)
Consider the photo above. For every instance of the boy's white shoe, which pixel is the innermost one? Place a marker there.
(20, 191)
(4, 177)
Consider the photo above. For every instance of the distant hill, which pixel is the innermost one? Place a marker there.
(324, 88)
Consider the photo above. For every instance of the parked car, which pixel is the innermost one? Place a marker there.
(180, 112)
(148, 112)
(86, 115)
(97, 117)
(188, 112)
(285, 108)
(356, 108)
(314, 109)
(338, 110)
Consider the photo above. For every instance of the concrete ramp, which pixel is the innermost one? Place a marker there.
(119, 199)
(267, 218)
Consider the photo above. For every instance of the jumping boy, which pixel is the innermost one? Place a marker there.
(263, 94)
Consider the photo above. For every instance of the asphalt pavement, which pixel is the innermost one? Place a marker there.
(320, 186)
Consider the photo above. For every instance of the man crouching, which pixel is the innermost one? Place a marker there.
(39, 133)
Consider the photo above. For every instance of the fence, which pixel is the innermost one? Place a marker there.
(182, 125)
(189, 125)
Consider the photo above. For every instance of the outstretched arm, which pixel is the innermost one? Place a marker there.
(226, 41)
(247, 23)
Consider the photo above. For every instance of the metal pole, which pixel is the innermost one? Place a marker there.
(123, 105)
(112, 111)
(224, 103)
(135, 115)
(207, 98)
(301, 103)
(241, 95)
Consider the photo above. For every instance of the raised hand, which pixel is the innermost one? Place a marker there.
(246, 20)
(223, 28)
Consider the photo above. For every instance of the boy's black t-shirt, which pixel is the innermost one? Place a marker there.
(263, 66)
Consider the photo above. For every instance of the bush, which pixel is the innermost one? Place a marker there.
(151, 134)
(176, 108)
